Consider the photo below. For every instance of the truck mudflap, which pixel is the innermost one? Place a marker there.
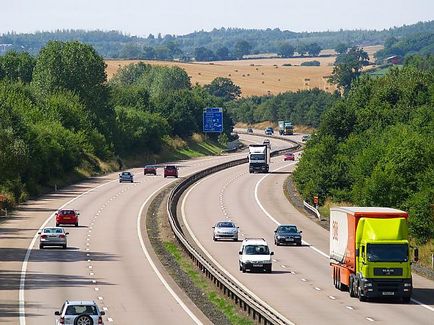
(385, 288)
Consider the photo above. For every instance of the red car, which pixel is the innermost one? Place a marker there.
(149, 169)
(289, 156)
(67, 217)
(171, 171)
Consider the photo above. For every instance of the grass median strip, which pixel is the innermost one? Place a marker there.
(217, 308)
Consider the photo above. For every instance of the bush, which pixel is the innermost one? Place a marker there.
(313, 63)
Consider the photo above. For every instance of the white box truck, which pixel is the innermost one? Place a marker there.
(259, 158)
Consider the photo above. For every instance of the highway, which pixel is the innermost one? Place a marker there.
(300, 287)
(108, 259)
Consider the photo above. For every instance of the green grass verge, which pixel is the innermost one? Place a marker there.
(223, 304)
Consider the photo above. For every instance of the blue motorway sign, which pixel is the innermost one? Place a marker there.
(213, 119)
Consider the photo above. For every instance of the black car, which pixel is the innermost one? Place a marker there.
(287, 234)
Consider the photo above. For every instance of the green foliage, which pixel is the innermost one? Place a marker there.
(420, 43)
(302, 107)
(375, 147)
(204, 54)
(223, 88)
(341, 48)
(78, 68)
(242, 48)
(16, 66)
(348, 67)
(313, 63)
(286, 50)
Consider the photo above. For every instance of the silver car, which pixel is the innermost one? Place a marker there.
(126, 177)
(225, 230)
(53, 236)
(79, 313)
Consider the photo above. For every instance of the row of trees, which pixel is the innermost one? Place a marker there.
(421, 43)
(303, 107)
(375, 146)
(113, 44)
(59, 113)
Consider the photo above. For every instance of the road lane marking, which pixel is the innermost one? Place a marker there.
(154, 267)
(317, 289)
(332, 297)
(271, 217)
(305, 242)
(21, 296)
(370, 319)
(349, 307)
(239, 284)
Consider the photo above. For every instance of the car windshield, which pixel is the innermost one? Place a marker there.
(387, 252)
(225, 225)
(149, 166)
(53, 231)
(290, 229)
(256, 250)
(126, 173)
(66, 212)
(170, 167)
(81, 309)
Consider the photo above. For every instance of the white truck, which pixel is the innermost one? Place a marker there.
(259, 158)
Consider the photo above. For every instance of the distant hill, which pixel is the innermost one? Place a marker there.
(218, 44)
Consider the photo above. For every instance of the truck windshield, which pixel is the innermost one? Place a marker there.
(257, 156)
(387, 252)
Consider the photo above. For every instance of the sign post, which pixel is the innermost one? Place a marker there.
(315, 201)
(213, 120)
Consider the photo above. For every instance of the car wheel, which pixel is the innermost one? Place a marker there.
(299, 244)
(57, 224)
(276, 243)
(76, 224)
(41, 246)
(213, 238)
(243, 268)
(83, 320)
(236, 239)
(64, 246)
(269, 269)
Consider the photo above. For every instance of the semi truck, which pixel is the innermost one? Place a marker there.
(286, 128)
(370, 252)
(259, 158)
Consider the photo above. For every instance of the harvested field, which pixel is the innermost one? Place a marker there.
(256, 76)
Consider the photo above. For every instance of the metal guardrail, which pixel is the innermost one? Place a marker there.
(312, 209)
(256, 309)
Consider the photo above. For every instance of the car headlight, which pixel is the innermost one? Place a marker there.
(280, 237)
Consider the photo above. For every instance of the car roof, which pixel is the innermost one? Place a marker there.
(254, 241)
(80, 302)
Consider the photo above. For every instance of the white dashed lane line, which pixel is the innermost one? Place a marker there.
(370, 319)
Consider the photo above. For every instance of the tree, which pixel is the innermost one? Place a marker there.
(286, 50)
(313, 49)
(242, 48)
(203, 54)
(222, 53)
(131, 51)
(348, 67)
(16, 66)
(78, 68)
(148, 53)
(223, 88)
(341, 48)
(301, 49)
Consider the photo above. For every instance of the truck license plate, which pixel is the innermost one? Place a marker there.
(388, 293)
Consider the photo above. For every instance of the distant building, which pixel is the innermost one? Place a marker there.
(394, 59)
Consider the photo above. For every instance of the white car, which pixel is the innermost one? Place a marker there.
(255, 254)
(53, 236)
(79, 313)
(225, 230)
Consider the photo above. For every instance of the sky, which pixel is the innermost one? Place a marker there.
(178, 17)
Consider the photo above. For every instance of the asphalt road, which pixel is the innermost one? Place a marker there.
(108, 259)
(300, 287)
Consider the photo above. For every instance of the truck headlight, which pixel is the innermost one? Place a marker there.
(407, 284)
(368, 284)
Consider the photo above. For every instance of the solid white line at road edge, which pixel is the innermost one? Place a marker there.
(271, 217)
(22, 310)
(154, 267)
(314, 248)
(184, 218)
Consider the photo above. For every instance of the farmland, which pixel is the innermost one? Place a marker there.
(256, 76)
